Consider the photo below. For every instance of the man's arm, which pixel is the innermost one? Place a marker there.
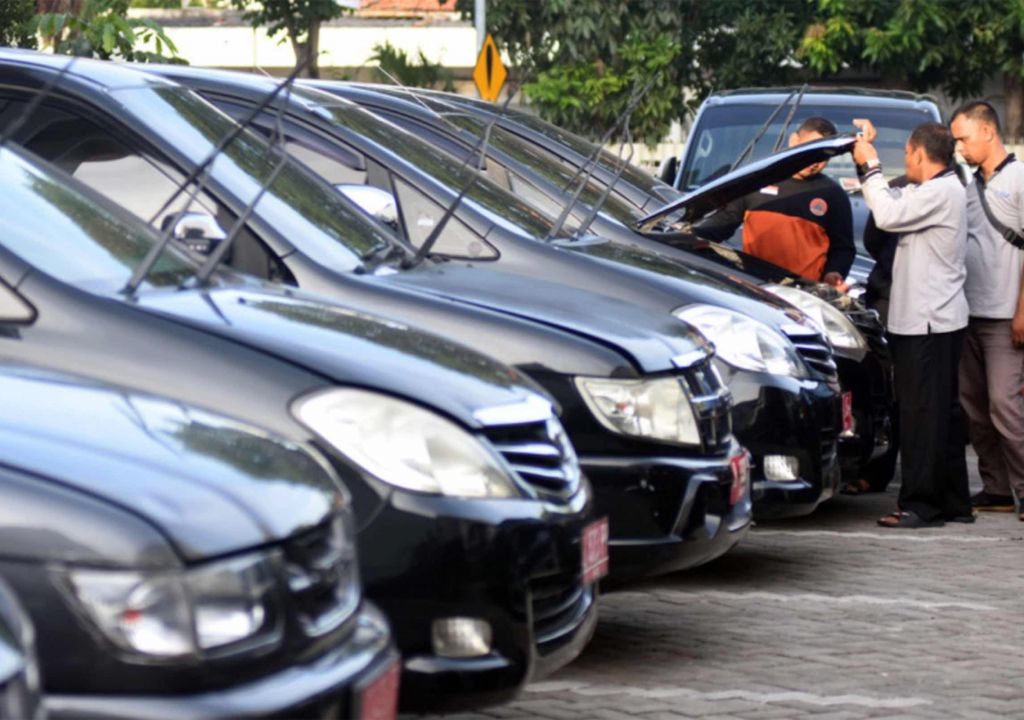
(841, 250)
(721, 225)
(900, 212)
(1017, 324)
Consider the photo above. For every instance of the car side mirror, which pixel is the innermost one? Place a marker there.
(13, 307)
(378, 204)
(197, 232)
(667, 170)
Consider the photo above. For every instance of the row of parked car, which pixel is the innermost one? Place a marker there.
(317, 391)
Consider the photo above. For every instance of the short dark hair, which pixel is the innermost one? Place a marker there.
(981, 111)
(820, 125)
(937, 141)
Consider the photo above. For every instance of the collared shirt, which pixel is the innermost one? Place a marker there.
(994, 266)
(928, 272)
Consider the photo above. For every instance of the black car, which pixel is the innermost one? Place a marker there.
(20, 693)
(674, 493)
(333, 134)
(179, 563)
(470, 508)
(543, 163)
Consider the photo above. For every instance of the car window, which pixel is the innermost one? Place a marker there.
(420, 215)
(723, 131)
(82, 239)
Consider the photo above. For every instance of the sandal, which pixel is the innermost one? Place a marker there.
(859, 486)
(908, 520)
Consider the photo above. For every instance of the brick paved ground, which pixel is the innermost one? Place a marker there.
(827, 616)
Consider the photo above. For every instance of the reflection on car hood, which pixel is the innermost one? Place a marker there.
(209, 484)
(652, 340)
(751, 177)
(353, 348)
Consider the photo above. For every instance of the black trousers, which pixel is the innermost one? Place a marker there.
(932, 427)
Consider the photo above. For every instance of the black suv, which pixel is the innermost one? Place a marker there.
(179, 563)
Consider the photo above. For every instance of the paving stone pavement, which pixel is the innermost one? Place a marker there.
(826, 616)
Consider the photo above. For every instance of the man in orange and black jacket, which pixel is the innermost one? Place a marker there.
(803, 224)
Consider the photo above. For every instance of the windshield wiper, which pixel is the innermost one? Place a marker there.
(760, 132)
(619, 171)
(789, 119)
(590, 166)
(157, 249)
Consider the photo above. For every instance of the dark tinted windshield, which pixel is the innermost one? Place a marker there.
(74, 235)
(498, 203)
(296, 205)
(724, 130)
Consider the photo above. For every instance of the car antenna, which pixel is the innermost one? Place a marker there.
(635, 97)
(277, 142)
(789, 118)
(760, 133)
(165, 237)
(479, 150)
(36, 101)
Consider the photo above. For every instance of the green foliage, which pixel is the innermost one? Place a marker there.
(299, 20)
(588, 97)
(395, 63)
(17, 18)
(589, 46)
(919, 43)
(103, 30)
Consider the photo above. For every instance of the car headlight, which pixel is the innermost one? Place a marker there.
(743, 342)
(181, 613)
(654, 409)
(836, 326)
(405, 445)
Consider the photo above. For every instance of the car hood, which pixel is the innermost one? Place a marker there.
(748, 178)
(353, 348)
(654, 341)
(208, 484)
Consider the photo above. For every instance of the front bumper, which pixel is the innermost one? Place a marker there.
(326, 684)
(666, 513)
(781, 415)
(516, 564)
(870, 381)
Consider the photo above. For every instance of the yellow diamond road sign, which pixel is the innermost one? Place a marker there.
(489, 74)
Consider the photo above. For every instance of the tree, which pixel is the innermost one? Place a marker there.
(17, 18)
(395, 64)
(300, 20)
(922, 44)
(102, 28)
(581, 66)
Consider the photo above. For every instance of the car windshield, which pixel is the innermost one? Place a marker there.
(297, 204)
(547, 166)
(725, 130)
(585, 148)
(64, 230)
(499, 204)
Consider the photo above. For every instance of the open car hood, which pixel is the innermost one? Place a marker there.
(748, 178)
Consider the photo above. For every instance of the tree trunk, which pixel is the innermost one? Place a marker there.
(1013, 120)
(309, 51)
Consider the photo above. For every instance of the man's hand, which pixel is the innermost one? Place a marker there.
(863, 151)
(834, 279)
(867, 129)
(1017, 329)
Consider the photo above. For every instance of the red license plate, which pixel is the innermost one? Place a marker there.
(595, 551)
(379, 699)
(740, 477)
(847, 412)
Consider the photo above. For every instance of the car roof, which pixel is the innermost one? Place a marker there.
(101, 73)
(869, 97)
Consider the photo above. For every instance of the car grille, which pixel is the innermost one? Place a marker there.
(814, 349)
(711, 403)
(541, 454)
(322, 576)
(558, 603)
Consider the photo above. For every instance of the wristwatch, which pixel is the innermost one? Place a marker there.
(865, 167)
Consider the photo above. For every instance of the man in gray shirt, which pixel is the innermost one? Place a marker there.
(992, 368)
(927, 317)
